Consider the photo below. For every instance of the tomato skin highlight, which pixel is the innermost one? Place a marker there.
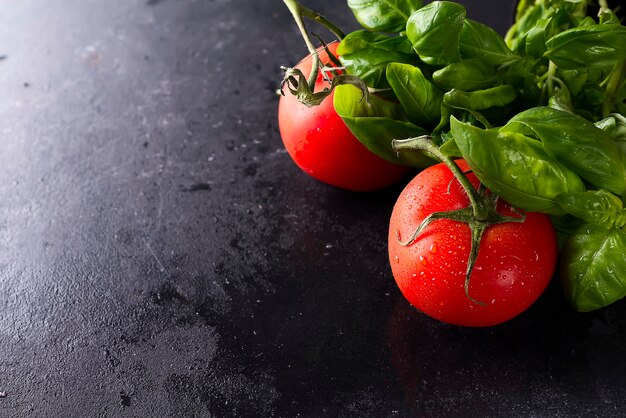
(514, 266)
(321, 144)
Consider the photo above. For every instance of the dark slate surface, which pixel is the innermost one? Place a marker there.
(160, 255)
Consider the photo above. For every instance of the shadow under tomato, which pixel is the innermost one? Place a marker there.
(545, 352)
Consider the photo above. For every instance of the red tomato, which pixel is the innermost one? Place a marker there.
(515, 262)
(321, 144)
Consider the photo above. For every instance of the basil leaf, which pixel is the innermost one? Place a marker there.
(466, 75)
(435, 31)
(593, 267)
(578, 143)
(482, 99)
(599, 45)
(420, 98)
(451, 149)
(377, 123)
(366, 55)
(615, 126)
(527, 15)
(598, 207)
(481, 42)
(383, 15)
(515, 167)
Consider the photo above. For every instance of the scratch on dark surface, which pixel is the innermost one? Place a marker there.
(156, 258)
(195, 187)
(162, 168)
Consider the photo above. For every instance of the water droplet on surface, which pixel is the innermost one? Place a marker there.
(420, 207)
(397, 258)
(423, 260)
(433, 248)
(420, 187)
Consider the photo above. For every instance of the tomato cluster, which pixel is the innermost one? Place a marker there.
(515, 261)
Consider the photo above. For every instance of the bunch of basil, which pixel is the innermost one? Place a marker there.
(537, 115)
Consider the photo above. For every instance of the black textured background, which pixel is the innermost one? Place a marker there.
(160, 254)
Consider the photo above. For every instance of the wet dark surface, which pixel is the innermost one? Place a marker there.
(162, 256)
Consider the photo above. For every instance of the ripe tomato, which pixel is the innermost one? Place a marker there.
(321, 144)
(514, 265)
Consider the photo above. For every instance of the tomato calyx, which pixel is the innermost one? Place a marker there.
(299, 85)
(479, 215)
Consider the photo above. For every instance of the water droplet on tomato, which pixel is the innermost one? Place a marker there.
(397, 258)
(433, 248)
(420, 207)
(419, 186)
(423, 260)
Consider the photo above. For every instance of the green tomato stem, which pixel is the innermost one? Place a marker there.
(298, 11)
(425, 143)
(316, 17)
(614, 81)
(550, 78)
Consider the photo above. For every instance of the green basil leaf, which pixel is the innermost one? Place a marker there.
(489, 101)
(466, 75)
(366, 55)
(479, 41)
(599, 45)
(528, 14)
(615, 126)
(377, 123)
(451, 149)
(435, 31)
(383, 15)
(515, 167)
(482, 99)
(578, 143)
(593, 267)
(536, 38)
(598, 207)
(420, 98)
